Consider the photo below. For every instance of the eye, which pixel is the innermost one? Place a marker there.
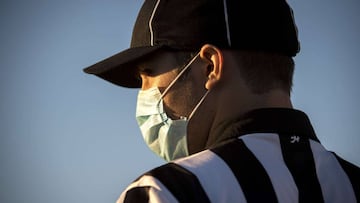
(145, 70)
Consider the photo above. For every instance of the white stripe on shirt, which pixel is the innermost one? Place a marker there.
(326, 166)
(266, 148)
(207, 166)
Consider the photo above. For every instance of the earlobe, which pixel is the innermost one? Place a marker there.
(210, 82)
(214, 57)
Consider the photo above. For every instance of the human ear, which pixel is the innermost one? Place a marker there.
(214, 59)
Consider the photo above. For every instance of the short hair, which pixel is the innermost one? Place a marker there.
(263, 71)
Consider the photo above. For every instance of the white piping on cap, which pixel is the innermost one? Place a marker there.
(227, 23)
(150, 23)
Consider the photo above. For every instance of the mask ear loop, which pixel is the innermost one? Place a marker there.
(197, 105)
(179, 75)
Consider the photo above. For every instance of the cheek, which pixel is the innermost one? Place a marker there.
(184, 95)
(179, 101)
(177, 104)
(187, 98)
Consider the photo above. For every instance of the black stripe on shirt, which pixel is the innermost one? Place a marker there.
(180, 182)
(299, 159)
(353, 173)
(250, 174)
(138, 195)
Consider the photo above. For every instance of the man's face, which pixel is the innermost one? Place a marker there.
(160, 70)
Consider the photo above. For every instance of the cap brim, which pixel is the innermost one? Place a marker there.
(119, 69)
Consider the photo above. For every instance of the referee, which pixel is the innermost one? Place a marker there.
(215, 79)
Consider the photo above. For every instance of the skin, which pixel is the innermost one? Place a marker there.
(214, 70)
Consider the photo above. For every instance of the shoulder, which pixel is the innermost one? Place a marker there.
(353, 172)
(172, 182)
(212, 175)
(144, 189)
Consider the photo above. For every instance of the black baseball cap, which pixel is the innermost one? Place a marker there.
(257, 25)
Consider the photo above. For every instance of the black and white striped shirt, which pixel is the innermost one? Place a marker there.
(275, 157)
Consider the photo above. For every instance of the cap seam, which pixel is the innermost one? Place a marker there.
(150, 23)
(227, 23)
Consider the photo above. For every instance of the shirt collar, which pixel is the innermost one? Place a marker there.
(282, 121)
(276, 120)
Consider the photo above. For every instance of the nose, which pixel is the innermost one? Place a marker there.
(145, 84)
(149, 81)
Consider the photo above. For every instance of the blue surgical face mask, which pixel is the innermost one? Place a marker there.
(166, 137)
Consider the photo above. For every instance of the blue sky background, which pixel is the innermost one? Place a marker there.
(70, 137)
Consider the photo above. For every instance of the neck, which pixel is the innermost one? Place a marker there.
(273, 99)
(238, 106)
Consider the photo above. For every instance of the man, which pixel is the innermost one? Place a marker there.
(215, 79)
